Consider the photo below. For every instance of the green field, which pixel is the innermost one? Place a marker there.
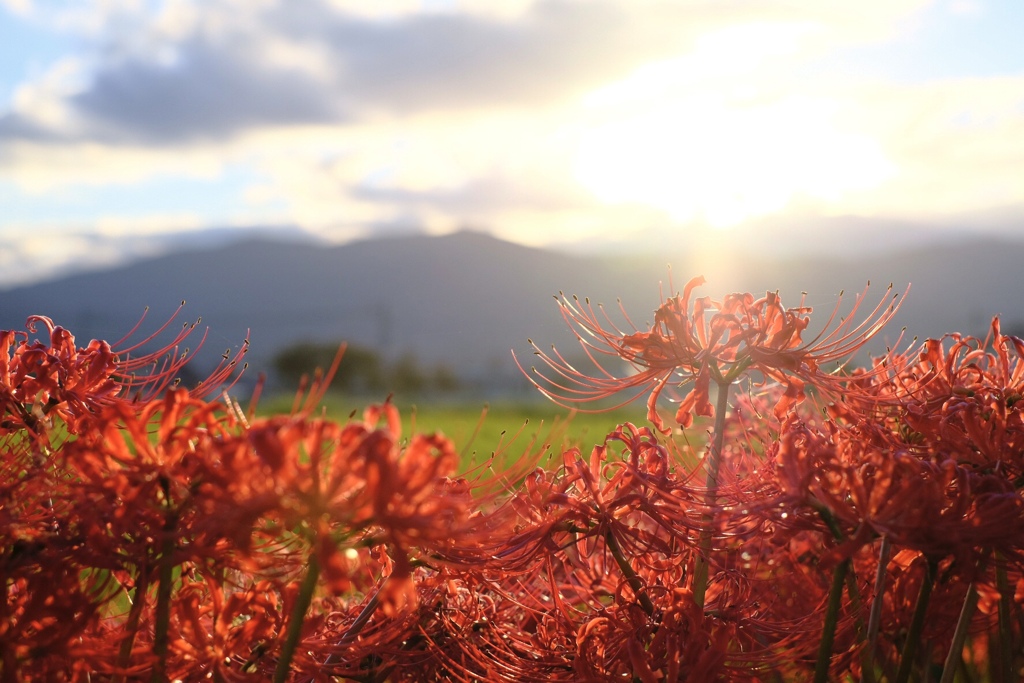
(507, 429)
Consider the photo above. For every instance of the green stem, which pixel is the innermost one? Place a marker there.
(828, 636)
(631, 576)
(714, 461)
(844, 574)
(1005, 628)
(916, 624)
(131, 627)
(8, 655)
(857, 609)
(302, 602)
(352, 631)
(956, 648)
(875, 617)
(163, 605)
(8, 664)
(856, 605)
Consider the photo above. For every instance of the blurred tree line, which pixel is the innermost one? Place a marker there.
(362, 370)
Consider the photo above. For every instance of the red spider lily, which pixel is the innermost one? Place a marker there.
(342, 488)
(174, 538)
(43, 613)
(708, 340)
(46, 597)
(863, 487)
(71, 506)
(218, 631)
(906, 574)
(144, 471)
(963, 394)
(615, 504)
(619, 530)
(54, 378)
(358, 485)
(143, 479)
(624, 643)
(153, 371)
(215, 633)
(854, 483)
(37, 380)
(466, 628)
(874, 488)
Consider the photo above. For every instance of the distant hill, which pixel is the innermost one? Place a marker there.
(467, 299)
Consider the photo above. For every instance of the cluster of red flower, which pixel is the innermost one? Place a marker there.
(150, 533)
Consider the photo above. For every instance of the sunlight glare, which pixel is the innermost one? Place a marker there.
(710, 159)
(708, 136)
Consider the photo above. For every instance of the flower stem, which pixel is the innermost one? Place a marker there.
(163, 604)
(8, 654)
(916, 624)
(956, 648)
(828, 635)
(132, 625)
(856, 604)
(631, 576)
(714, 462)
(353, 630)
(1005, 628)
(875, 617)
(302, 602)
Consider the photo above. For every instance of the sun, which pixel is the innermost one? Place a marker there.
(712, 138)
(724, 163)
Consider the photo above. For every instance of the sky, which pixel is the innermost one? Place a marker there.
(573, 124)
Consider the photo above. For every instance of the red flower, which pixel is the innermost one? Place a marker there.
(704, 341)
(147, 472)
(358, 485)
(963, 395)
(41, 379)
(874, 487)
(622, 643)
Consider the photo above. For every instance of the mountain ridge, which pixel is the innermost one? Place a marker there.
(466, 299)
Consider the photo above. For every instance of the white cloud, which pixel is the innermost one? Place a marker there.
(723, 134)
(45, 101)
(956, 144)
(29, 253)
(42, 168)
(391, 9)
(969, 8)
(21, 8)
(497, 114)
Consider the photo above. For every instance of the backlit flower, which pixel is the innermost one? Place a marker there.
(706, 341)
(963, 395)
(52, 377)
